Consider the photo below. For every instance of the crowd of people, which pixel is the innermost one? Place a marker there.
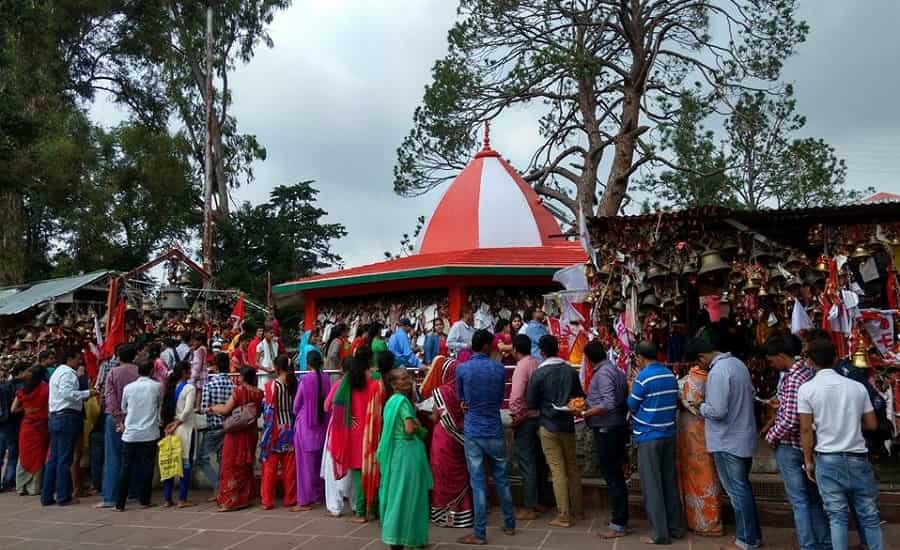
(357, 426)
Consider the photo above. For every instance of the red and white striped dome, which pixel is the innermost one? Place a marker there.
(489, 205)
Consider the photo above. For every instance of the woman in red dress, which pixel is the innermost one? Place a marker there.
(236, 481)
(451, 496)
(34, 435)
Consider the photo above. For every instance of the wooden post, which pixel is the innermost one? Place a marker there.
(207, 147)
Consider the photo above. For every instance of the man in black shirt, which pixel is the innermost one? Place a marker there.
(550, 388)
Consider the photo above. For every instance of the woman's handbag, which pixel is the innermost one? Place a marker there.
(170, 458)
(241, 418)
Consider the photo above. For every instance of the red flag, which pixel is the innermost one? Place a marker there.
(116, 332)
(237, 314)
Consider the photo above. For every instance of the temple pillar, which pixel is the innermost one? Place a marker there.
(457, 299)
(310, 311)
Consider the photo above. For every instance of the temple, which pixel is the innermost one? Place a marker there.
(489, 241)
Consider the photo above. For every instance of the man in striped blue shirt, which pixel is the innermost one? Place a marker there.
(653, 401)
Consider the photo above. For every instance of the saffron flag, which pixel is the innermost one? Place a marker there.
(116, 333)
(237, 314)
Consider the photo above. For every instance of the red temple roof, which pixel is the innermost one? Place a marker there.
(487, 261)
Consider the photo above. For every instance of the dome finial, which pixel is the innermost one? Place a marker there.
(487, 135)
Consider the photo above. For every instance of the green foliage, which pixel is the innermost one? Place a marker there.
(701, 181)
(284, 236)
(137, 199)
(759, 165)
(77, 197)
(596, 71)
(408, 241)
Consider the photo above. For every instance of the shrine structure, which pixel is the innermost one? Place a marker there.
(489, 231)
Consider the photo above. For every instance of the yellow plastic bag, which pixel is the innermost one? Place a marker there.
(170, 458)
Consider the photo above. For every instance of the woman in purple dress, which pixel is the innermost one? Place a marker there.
(309, 433)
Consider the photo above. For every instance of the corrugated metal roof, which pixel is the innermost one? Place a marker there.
(45, 290)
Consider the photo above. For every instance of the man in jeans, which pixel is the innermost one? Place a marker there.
(66, 405)
(480, 384)
(529, 454)
(551, 387)
(784, 436)
(730, 434)
(218, 391)
(653, 401)
(607, 408)
(840, 409)
(118, 377)
(141, 403)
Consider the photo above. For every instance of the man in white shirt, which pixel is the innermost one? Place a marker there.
(266, 352)
(838, 409)
(66, 404)
(460, 336)
(141, 403)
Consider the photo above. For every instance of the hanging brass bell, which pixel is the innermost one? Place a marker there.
(649, 302)
(795, 261)
(775, 274)
(29, 338)
(752, 284)
(655, 273)
(711, 262)
(821, 265)
(860, 252)
(729, 245)
(736, 277)
(171, 298)
(52, 319)
(860, 359)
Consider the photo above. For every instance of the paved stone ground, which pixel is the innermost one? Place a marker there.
(25, 525)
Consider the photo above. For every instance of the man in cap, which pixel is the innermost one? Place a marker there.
(401, 347)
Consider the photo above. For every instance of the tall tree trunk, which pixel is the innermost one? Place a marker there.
(12, 239)
(587, 189)
(617, 183)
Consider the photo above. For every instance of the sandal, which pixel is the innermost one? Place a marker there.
(472, 539)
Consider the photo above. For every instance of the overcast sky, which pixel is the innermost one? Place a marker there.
(334, 98)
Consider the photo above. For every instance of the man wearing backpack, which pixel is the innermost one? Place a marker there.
(9, 428)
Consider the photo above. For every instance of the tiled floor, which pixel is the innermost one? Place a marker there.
(25, 525)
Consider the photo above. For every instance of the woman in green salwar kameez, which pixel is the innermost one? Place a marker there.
(405, 473)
